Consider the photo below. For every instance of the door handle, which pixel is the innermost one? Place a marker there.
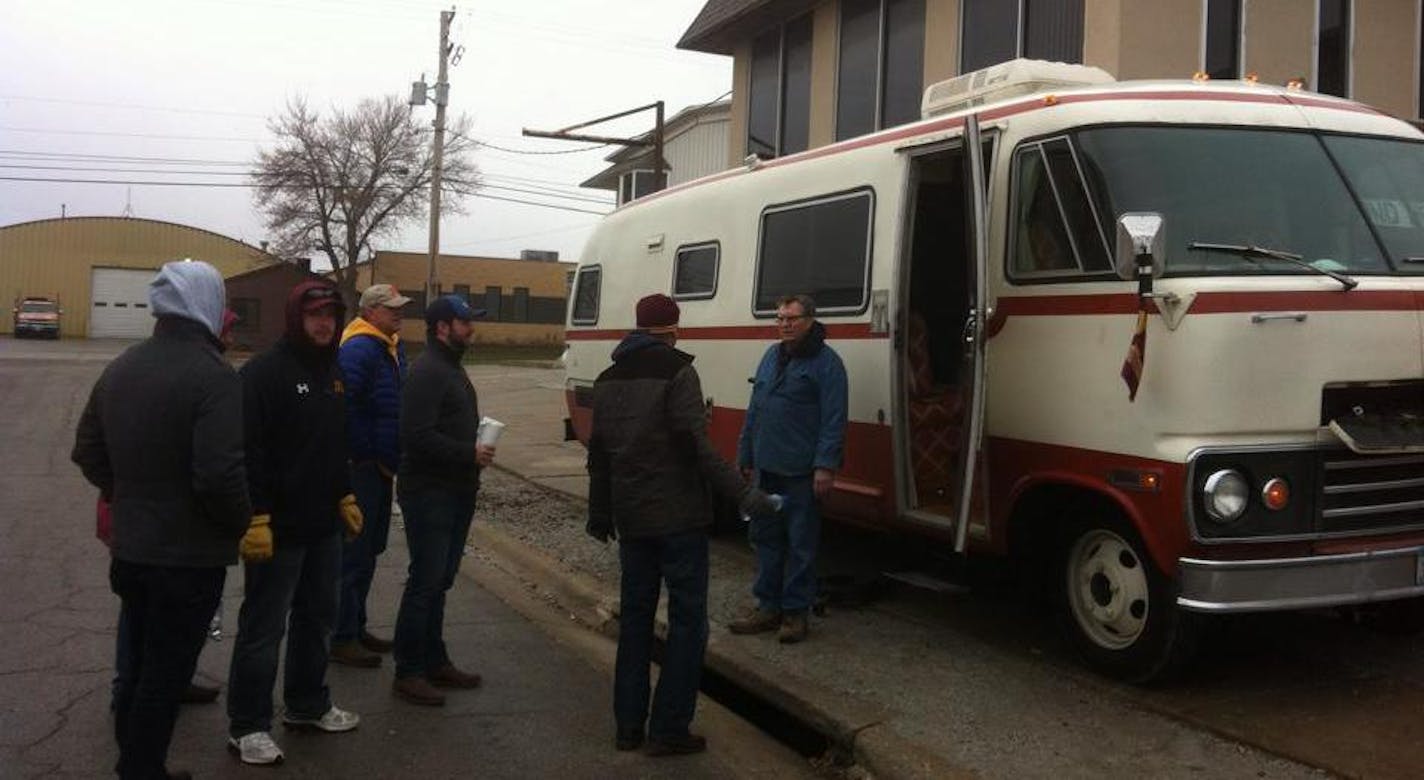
(1297, 316)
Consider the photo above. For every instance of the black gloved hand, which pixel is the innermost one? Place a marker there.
(600, 527)
(755, 503)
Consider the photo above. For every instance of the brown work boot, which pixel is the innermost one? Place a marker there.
(448, 676)
(793, 628)
(353, 654)
(756, 621)
(418, 690)
(376, 644)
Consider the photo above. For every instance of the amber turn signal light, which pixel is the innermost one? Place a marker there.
(1275, 494)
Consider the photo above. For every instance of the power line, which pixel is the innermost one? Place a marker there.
(233, 185)
(118, 158)
(134, 106)
(487, 145)
(61, 131)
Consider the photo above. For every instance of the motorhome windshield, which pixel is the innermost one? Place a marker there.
(1262, 188)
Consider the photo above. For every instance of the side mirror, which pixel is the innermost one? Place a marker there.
(1140, 241)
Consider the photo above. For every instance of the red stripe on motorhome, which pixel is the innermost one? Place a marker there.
(834, 330)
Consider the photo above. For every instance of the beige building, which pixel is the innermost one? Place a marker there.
(525, 299)
(98, 268)
(808, 73)
(695, 145)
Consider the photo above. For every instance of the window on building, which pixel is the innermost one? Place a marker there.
(1057, 228)
(521, 305)
(820, 248)
(585, 311)
(248, 311)
(880, 71)
(492, 301)
(695, 271)
(416, 307)
(779, 102)
(994, 31)
(761, 101)
(635, 184)
(795, 130)
(1332, 50)
(1221, 54)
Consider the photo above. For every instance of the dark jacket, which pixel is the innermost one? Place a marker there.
(796, 419)
(161, 437)
(652, 469)
(373, 368)
(294, 410)
(439, 418)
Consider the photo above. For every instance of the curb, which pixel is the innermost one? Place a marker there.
(854, 727)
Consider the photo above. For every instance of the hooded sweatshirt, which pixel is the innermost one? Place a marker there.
(161, 436)
(190, 289)
(294, 412)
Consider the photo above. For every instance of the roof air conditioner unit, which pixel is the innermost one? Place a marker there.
(1007, 80)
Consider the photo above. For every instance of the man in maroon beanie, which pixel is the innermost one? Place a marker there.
(651, 473)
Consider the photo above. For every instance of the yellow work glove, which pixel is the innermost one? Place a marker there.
(256, 544)
(351, 516)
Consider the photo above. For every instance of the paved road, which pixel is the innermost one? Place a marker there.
(544, 710)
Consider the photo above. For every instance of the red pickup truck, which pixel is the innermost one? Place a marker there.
(37, 317)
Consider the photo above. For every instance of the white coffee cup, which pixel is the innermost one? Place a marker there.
(489, 431)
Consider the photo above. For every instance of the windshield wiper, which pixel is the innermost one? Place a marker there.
(1252, 253)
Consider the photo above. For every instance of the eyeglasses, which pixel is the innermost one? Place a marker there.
(318, 294)
(789, 318)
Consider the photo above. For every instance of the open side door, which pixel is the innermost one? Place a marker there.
(975, 326)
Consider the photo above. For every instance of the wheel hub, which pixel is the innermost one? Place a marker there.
(1108, 589)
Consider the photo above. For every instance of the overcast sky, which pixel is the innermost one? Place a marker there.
(195, 80)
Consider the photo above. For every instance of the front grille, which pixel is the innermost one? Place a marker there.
(1370, 492)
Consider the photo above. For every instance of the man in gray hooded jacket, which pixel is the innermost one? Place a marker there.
(161, 437)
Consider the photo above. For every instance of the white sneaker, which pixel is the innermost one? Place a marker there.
(256, 748)
(334, 721)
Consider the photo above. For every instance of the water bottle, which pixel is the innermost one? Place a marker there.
(215, 626)
(777, 500)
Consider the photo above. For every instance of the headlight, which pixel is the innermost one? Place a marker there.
(1225, 495)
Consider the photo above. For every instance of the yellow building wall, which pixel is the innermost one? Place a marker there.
(941, 40)
(407, 270)
(1280, 40)
(825, 31)
(56, 257)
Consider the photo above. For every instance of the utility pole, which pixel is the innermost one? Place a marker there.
(442, 97)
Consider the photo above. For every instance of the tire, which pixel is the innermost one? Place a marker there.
(1116, 609)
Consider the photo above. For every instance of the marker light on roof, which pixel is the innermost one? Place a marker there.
(1295, 84)
(1250, 78)
(1050, 100)
(1201, 77)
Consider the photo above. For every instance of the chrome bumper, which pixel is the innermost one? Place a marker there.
(1301, 583)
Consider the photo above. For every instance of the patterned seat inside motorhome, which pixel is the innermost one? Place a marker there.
(936, 413)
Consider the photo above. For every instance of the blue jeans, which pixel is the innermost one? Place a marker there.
(437, 523)
(165, 614)
(300, 580)
(680, 560)
(786, 545)
(358, 556)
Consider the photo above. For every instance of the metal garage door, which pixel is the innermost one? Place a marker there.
(118, 304)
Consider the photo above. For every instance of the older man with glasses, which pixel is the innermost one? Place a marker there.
(792, 443)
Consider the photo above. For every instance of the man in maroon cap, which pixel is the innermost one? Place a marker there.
(649, 461)
(294, 416)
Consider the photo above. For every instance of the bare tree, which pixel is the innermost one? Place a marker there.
(337, 183)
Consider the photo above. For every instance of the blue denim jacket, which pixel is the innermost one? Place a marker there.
(796, 419)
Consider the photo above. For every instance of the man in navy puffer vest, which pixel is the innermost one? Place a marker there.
(373, 363)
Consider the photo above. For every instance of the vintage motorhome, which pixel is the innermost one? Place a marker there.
(1268, 455)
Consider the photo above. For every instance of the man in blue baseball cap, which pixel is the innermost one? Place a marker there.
(440, 463)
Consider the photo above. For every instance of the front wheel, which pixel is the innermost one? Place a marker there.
(1117, 610)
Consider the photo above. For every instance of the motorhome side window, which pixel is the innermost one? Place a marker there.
(819, 247)
(586, 295)
(1058, 231)
(695, 271)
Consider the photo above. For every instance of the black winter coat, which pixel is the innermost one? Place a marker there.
(161, 437)
(652, 470)
(297, 463)
(439, 419)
